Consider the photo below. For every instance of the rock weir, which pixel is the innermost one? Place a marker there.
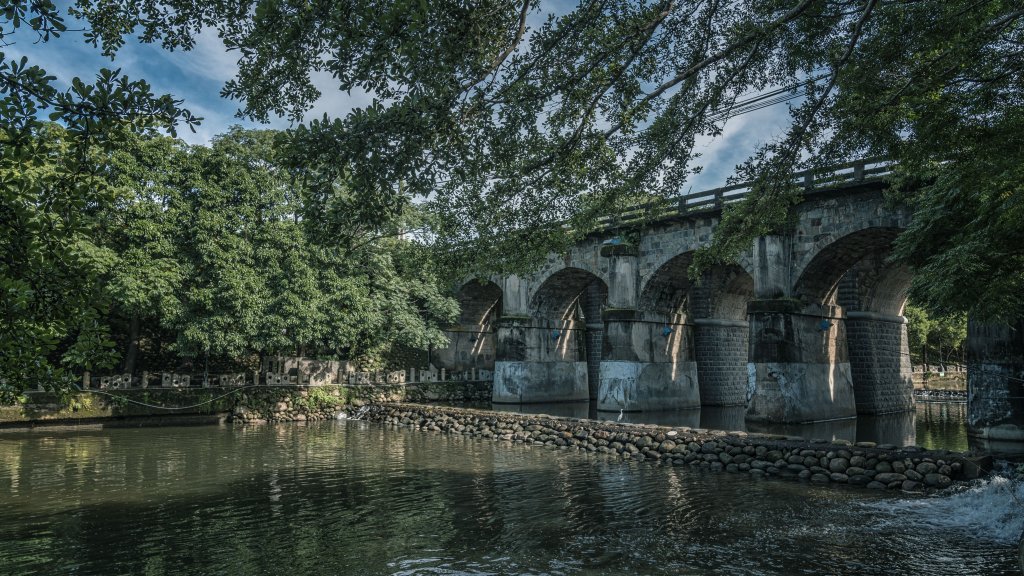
(817, 461)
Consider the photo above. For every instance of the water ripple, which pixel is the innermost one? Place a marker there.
(357, 498)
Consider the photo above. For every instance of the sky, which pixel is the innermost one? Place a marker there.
(197, 77)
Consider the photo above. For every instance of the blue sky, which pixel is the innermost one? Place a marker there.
(197, 77)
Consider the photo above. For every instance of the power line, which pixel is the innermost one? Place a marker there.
(160, 407)
(763, 100)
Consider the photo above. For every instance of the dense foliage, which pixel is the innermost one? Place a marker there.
(515, 118)
(522, 127)
(233, 252)
(51, 306)
(936, 340)
(192, 254)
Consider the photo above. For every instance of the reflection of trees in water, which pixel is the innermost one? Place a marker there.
(942, 425)
(356, 498)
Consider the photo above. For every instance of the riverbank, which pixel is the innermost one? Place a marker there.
(760, 455)
(262, 403)
(354, 497)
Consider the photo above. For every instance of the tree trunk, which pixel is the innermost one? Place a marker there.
(131, 355)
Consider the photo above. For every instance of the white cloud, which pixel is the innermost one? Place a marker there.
(740, 138)
(333, 101)
(209, 58)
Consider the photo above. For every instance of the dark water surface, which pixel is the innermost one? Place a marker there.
(932, 425)
(358, 498)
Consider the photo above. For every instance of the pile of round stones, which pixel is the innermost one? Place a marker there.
(861, 464)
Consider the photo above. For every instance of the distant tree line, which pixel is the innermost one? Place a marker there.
(936, 340)
(160, 255)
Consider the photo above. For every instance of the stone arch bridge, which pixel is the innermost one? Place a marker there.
(806, 326)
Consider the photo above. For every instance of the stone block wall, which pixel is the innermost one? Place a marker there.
(721, 354)
(593, 298)
(995, 385)
(879, 363)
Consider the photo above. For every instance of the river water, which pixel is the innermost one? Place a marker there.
(349, 497)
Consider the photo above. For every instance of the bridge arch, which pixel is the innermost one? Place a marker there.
(819, 272)
(665, 293)
(566, 292)
(570, 300)
(471, 340)
(710, 321)
(854, 272)
(548, 354)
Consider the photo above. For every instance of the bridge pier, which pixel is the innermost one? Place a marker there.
(538, 363)
(995, 384)
(879, 362)
(540, 350)
(798, 370)
(721, 348)
(647, 362)
(648, 365)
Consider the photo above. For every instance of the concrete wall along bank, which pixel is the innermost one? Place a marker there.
(861, 464)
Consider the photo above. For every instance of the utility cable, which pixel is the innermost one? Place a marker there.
(160, 407)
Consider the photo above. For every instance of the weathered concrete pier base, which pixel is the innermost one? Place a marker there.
(647, 386)
(648, 365)
(798, 369)
(995, 386)
(540, 382)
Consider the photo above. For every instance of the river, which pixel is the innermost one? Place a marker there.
(349, 497)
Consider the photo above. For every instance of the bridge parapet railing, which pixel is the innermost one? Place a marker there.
(854, 172)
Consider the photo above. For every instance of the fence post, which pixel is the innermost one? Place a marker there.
(858, 170)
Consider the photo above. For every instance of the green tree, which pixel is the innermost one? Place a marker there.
(51, 306)
(142, 275)
(513, 127)
(230, 249)
(935, 339)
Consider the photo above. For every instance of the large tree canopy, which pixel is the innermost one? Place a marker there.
(521, 123)
(51, 308)
(171, 255)
(513, 119)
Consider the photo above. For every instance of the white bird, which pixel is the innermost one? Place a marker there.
(621, 411)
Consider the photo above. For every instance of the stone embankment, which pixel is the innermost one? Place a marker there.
(300, 404)
(860, 464)
(289, 405)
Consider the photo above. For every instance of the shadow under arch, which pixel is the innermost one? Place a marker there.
(471, 341)
(854, 274)
(817, 280)
(550, 354)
